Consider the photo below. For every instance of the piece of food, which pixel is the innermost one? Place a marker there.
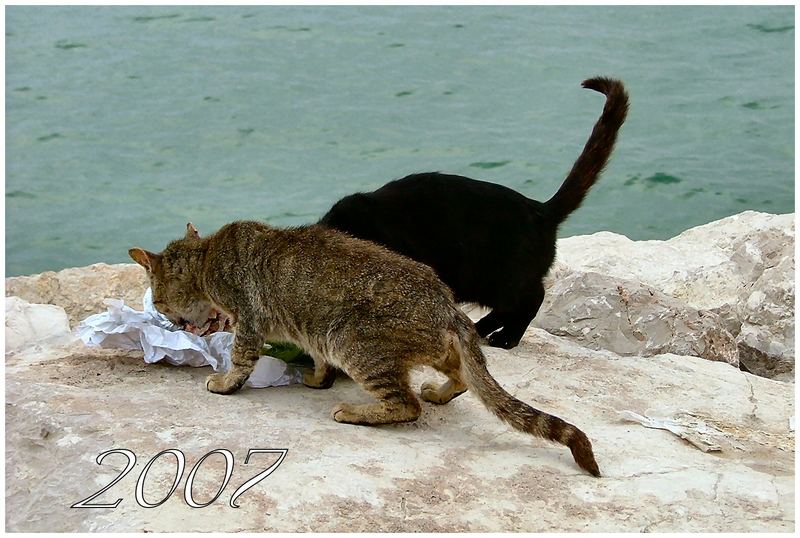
(279, 350)
(219, 322)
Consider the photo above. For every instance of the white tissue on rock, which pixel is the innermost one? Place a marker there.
(123, 327)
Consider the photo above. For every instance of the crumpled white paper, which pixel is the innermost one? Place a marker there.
(685, 425)
(125, 328)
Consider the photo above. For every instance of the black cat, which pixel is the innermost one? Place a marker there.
(490, 244)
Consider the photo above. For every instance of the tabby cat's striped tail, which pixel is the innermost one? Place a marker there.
(517, 414)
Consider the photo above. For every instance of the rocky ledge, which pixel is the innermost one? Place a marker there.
(721, 291)
(645, 345)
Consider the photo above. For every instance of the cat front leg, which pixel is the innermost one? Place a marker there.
(244, 357)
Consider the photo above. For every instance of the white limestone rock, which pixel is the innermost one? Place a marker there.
(457, 468)
(80, 290)
(630, 318)
(707, 266)
(766, 340)
(29, 325)
(740, 268)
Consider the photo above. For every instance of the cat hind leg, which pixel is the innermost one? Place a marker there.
(441, 393)
(396, 401)
(322, 377)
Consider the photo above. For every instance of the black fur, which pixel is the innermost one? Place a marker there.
(490, 244)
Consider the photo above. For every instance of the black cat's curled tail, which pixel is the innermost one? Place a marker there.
(593, 159)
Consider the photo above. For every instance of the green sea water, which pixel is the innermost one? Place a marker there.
(124, 123)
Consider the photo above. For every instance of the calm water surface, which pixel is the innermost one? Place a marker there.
(124, 123)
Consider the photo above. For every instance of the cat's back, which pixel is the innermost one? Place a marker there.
(438, 184)
(424, 198)
(319, 254)
(427, 216)
(338, 251)
(449, 222)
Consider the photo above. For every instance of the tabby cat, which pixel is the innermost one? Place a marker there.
(353, 305)
(490, 244)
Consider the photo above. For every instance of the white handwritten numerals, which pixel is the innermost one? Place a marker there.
(100, 457)
(260, 476)
(187, 491)
(180, 465)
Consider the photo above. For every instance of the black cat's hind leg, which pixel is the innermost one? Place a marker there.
(509, 336)
(489, 323)
(516, 322)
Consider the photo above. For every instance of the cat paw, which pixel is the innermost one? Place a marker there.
(502, 340)
(216, 383)
(344, 413)
(441, 394)
(310, 380)
(430, 393)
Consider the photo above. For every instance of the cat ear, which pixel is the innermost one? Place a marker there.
(191, 231)
(146, 259)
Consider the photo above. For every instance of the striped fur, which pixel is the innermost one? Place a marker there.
(352, 305)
